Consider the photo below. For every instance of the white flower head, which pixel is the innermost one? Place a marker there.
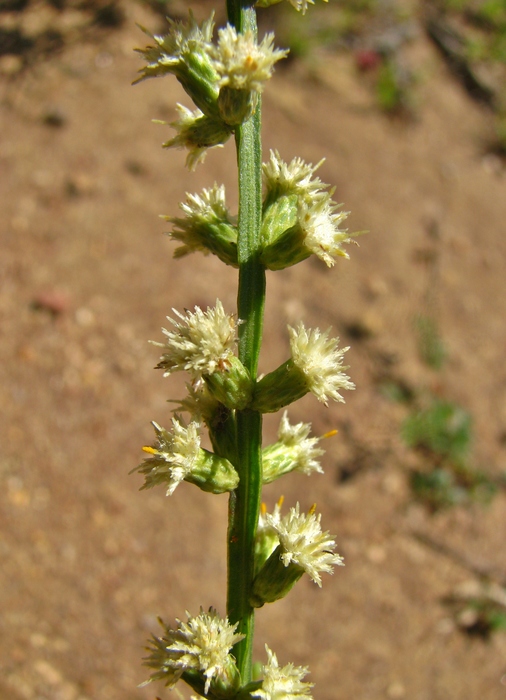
(202, 644)
(202, 211)
(304, 450)
(241, 62)
(320, 224)
(183, 39)
(197, 133)
(199, 403)
(201, 343)
(174, 455)
(304, 543)
(317, 355)
(295, 177)
(294, 451)
(283, 683)
(207, 207)
(302, 5)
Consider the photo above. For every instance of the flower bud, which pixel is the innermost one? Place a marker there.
(202, 406)
(278, 216)
(222, 687)
(300, 5)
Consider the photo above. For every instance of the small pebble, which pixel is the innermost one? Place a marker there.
(396, 690)
(52, 300)
(54, 117)
(367, 60)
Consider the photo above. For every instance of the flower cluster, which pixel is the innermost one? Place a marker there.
(173, 456)
(281, 178)
(201, 647)
(299, 217)
(313, 225)
(197, 133)
(241, 63)
(222, 79)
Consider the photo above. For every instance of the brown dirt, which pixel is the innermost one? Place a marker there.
(88, 562)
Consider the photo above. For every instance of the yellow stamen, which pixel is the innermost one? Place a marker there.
(331, 433)
(150, 450)
(280, 501)
(263, 508)
(312, 509)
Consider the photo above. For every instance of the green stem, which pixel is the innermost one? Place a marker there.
(245, 500)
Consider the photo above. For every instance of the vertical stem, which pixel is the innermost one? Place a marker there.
(245, 500)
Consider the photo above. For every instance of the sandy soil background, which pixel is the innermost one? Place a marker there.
(86, 277)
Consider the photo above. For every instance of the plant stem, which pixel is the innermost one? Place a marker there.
(245, 500)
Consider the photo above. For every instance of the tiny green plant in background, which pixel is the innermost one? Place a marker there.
(393, 87)
(479, 607)
(442, 434)
(286, 215)
(430, 344)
